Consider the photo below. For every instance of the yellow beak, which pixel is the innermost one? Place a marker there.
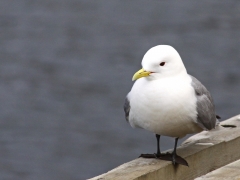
(141, 73)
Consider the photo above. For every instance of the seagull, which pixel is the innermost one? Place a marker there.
(167, 101)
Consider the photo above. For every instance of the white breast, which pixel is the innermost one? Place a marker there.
(165, 106)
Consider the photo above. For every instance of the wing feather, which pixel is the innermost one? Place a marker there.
(126, 108)
(206, 117)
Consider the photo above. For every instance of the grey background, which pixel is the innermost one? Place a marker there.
(66, 66)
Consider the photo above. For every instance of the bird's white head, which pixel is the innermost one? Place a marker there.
(161, 61)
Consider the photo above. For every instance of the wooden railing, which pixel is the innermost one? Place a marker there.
(204, 152)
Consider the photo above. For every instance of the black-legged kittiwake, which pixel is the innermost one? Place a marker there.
(167, 101)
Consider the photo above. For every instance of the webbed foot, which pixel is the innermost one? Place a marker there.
(167, 157)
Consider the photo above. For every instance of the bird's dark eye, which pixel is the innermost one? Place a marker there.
(162, 64)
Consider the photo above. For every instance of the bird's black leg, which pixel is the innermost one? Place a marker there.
(174, 154)
(158, 150)
(158, 146)
(167, 157)
(173, 157)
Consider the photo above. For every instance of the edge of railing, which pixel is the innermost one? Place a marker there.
(204, 152)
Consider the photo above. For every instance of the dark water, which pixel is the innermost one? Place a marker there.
(66, 66)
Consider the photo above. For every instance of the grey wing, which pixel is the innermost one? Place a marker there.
(206, 117)
(126, 108)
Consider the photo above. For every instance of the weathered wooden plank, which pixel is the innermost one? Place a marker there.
(204, 152)
(230, 171)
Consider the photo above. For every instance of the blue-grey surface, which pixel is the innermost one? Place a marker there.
(66, 66)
